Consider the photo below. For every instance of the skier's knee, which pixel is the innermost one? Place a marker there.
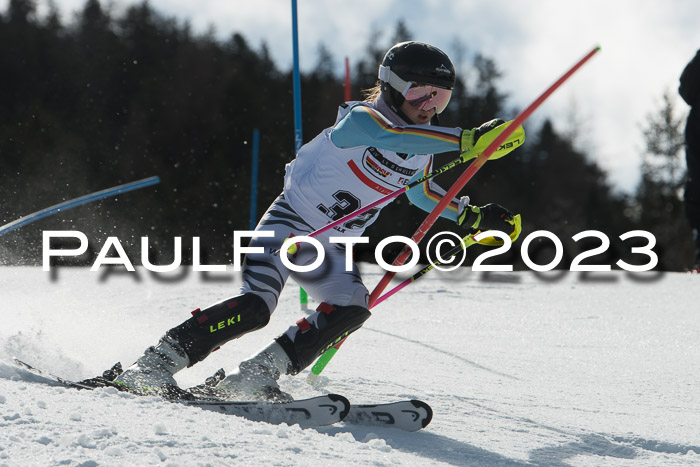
(360, 297)
(312, 336)
(212, 327)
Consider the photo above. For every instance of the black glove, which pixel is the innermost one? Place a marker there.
(489, 217)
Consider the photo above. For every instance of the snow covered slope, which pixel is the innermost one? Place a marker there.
(520, 369)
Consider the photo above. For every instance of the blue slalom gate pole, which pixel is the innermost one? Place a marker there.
(254, 179)
(28, 219)
(296, 83)
(296, 78)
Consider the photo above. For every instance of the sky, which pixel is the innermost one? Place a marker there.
(645, 44)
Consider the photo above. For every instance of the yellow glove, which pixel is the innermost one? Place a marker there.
(473, 142)
(493, 241)
(489, 217)
(470, 137)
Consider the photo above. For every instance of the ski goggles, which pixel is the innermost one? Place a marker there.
(426, 97)
(420, 96)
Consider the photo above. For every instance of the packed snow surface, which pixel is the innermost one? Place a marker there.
(519, 368)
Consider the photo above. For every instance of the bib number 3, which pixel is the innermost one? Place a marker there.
(347, 203)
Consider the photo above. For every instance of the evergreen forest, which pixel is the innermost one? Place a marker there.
(107, 98)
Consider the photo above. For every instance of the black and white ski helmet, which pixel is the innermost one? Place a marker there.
(413, 62)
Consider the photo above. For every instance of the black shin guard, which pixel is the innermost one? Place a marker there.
(212, 327)
(310, 340)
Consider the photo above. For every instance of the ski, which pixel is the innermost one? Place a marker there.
(314, 411)
(408, 415)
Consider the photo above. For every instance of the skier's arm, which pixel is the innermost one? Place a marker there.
(429, 194)
(363, 126)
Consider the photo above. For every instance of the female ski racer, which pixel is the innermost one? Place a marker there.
(374, 148)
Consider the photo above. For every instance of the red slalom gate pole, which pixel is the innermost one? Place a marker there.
(469, 173)
(347, 80)
(456, 187)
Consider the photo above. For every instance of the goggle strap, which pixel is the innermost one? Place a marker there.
(388, 76)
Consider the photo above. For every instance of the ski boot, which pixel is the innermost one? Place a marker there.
(154, 370)
(256, 377)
